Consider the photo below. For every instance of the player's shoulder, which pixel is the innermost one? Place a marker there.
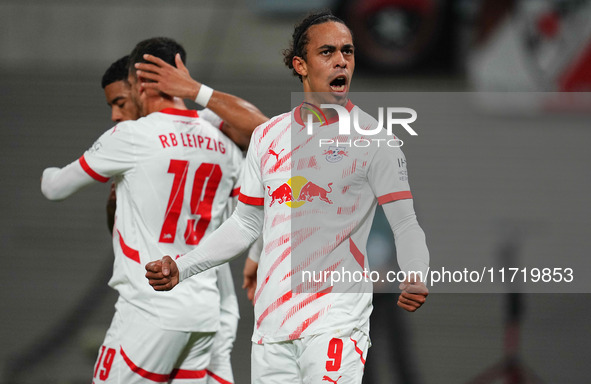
(271, 125)
(123, 127)
(373, 128)
(270, 130)
(140, 123)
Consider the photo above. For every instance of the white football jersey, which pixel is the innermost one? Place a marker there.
(319, 200)
(175, 173)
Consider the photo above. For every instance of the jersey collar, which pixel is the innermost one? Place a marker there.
(180, 112)
(298, 117)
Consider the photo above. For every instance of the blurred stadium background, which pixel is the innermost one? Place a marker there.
(57, 257)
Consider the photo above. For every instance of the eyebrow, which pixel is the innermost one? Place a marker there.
(115, 100)
(326, 46)
(333, 48)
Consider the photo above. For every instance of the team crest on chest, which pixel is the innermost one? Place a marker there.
(335, 154)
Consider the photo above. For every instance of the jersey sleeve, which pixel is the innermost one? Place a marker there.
(59, 183)
(211, 117)
(240, 162)
(112, 154)
(252, 190)
(255, 250)
(388, 175)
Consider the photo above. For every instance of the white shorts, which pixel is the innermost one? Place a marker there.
(219, 370)
(317, 359)
(136, 351)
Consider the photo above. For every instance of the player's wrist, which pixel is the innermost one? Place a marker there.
(204, 95)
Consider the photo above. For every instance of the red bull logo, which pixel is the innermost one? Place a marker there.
(306, 191)
(280, 195)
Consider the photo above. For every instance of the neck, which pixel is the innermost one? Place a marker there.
(316, 99)
(158, 103)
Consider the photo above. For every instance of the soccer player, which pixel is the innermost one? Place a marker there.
(176, 80)
(118, 96)
(305, 332)
(118, 91)
(174, 173)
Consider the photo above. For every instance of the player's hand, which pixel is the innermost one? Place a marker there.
(413, 296)
(163, 274)
(163, 77)
(250, 278)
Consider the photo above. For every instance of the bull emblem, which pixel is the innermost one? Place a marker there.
(281, 194)
(312, 190)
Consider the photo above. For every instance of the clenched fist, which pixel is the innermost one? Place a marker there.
(163, 274)
(413, 296)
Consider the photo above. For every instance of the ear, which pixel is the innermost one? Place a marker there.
(300, 66)
(143, 91)
(140, 88)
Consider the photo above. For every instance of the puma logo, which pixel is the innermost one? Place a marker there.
(272, 152)
(326, 378)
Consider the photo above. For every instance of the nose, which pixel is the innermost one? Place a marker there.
(116, 115)
(340, 60)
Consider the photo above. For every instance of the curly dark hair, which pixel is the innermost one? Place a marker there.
(116, 72)
(300, 39)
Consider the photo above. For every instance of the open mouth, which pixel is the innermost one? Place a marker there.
(338, 84)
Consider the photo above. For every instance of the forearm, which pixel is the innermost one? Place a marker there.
(237, 112)
(59, 183)
(411, 247)
(240, 117)
(230, 240)
(254, 253)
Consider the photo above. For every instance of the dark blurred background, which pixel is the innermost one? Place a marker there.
(57, 257)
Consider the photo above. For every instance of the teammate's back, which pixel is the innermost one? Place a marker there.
(174, 173)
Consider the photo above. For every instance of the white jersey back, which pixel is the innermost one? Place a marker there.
(175, 173)
(319, 205)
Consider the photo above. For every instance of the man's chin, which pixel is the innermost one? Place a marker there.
(339, 98)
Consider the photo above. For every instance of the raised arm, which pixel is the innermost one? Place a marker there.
(230, 240)
(240, 117)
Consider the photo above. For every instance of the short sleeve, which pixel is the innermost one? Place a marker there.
(388, 175)
(239, 164)
(110, 155)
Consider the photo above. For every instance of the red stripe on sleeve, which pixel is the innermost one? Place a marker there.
(235, 192)
(394, 197)
(251, 200)
(127, 250)
(90, 172)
